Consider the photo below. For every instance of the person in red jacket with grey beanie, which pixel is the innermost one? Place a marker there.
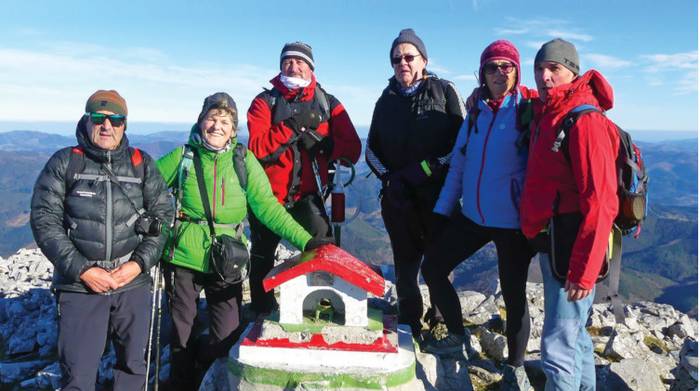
(295, 130)
(570, 196)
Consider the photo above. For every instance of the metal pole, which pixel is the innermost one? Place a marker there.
(152, 323)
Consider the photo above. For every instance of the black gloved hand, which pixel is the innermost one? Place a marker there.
(317, 242)
(310, 140)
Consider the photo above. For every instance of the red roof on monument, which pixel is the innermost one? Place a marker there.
(330, 259)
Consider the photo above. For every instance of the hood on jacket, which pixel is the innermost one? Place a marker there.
(307, 93)
(590, 83)
(82, 134)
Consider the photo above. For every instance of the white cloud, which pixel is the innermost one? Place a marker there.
(156, 87)
(534, 44)
(677, 71)
(605, 61)
(570, 35)
(465, 77)
(434, 65)
(541, 30)
(511, 31)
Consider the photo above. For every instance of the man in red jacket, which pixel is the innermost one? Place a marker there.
(295, 130)
(571, 193)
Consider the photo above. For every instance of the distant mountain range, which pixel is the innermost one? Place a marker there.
(662, 265)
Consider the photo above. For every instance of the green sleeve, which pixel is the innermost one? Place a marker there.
(268, 210)
(168, 165)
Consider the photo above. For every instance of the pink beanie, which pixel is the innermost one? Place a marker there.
(500, 50)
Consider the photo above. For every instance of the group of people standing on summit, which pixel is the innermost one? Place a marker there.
(455, 176)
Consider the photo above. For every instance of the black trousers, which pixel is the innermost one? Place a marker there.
(189, 357)
(310, 213)
(408, 225)
(85, 322)
(462, 238)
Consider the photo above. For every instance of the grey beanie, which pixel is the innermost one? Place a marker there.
(298, 49)
(409, 36)
(559, 51)
(219, 100)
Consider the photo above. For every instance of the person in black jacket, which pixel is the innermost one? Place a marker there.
(96, 214)
(414, 127)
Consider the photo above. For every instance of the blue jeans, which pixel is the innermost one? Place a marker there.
(567, 350)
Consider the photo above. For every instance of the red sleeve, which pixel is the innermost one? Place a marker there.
(346, 142)
(593, 147)
(263, 138)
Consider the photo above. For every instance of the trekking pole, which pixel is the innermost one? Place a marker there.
(152, 323)
(158, 321)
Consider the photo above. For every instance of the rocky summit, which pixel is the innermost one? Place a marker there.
(654, 349)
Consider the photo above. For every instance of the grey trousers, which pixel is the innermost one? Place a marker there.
(87, 320)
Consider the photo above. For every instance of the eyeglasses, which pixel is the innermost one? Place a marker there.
(492, 68)
(408, 57)
(115, 119)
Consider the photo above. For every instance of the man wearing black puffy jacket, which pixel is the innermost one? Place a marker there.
(92, 215)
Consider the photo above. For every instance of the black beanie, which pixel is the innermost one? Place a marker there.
(561, 52)
(409, 36)
(300, 50)
(219, 100)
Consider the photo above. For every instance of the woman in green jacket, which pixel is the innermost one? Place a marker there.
(188, 270)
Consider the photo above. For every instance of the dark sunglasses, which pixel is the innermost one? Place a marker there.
(493, 68)
(408, 57)
(114, 119)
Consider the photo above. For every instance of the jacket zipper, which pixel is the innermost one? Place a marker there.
(223, 191)
(108, 219)
(481, 170)
(213, 197)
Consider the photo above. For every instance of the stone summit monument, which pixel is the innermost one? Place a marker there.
(325, 335)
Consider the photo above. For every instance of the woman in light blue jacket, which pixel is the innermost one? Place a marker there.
(487, 171)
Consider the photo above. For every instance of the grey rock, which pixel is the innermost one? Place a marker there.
(494, 345)
(689, 358)
(684, 327)
(426, 368)
(469, 300)
(634, 374)
(624, 345)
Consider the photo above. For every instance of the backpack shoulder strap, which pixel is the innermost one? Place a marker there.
(76, 165)
(137, 164)
(239, 165)
(561, 142)
(322, 99)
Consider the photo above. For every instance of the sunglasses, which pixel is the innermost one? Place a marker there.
(493, 68)
(115, 119)
(408, 57)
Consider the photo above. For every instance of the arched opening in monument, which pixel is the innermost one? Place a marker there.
(324, 306)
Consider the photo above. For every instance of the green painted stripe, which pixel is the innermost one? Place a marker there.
(284, 379)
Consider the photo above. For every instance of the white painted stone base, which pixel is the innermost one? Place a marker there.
(327, 361)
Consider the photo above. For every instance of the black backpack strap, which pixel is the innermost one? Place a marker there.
(321, 97)
(562, 140)
(76, 165)
(239, 166)
(614, 271)
(203, 193)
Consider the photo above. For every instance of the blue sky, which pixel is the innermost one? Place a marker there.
(165, 57)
